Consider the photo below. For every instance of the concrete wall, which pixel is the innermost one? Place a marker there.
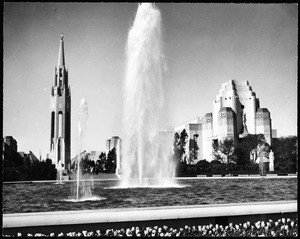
(70, 221)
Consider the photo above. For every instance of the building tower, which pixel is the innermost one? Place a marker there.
(60, 111)
(240, 97)
(227, 124)
(264, 124)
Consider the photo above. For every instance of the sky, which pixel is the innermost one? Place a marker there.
(204, 45)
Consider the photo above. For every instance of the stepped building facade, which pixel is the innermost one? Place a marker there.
(236, 113)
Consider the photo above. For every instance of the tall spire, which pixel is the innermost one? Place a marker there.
(61, 54)
(60, 108)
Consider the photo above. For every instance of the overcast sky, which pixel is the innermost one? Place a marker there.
(205, 45)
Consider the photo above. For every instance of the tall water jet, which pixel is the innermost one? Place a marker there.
(59, 178)
(84, 184)
(143, 99)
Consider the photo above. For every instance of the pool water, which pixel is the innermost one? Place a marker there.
(45, 197)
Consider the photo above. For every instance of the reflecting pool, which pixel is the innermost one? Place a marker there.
(42, 197)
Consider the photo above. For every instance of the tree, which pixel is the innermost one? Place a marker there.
(111, 161)
(179, 145)
(101, 162)
(249, 149)
(30, 170)
(87, 165)
(257, 145)
(102, 156)
(176, 149)
(285, 151)
(193, 149)
(203, 166)
(224, 150)
(242, 154)
(50, 169)
(13, 160)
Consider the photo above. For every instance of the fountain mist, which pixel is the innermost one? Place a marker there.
(141, 155)
(84, 184)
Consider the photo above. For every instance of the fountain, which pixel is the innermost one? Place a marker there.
(146, 163)
(84, 184)
(143, 165)
(59, 178)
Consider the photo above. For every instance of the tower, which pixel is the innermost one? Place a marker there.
(60, 111)
(207, 137)
(264, 124)
(227, 124)
(239, 96)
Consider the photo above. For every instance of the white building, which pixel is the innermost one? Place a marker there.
(236, 113)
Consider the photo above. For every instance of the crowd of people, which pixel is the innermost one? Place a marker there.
(284, 227)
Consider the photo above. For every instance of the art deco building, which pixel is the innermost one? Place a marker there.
(60, 111)
(236, 113)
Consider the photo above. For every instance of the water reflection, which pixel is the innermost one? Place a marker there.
(38, 197)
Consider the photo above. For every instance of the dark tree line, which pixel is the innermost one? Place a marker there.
(286, 154)
(235, 157)
(21, 168)
(105, 163)
(214, 167)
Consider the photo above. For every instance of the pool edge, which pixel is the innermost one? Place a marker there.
(99, 216)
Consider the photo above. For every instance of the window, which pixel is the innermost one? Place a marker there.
(52, 124)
